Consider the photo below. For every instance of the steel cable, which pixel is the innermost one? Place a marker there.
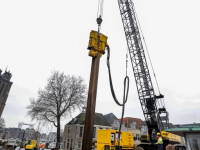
(100, 8)
(162, 101)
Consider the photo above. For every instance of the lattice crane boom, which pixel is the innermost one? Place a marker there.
(146, 93)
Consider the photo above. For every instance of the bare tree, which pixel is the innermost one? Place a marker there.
(2, 123)
(59, 99)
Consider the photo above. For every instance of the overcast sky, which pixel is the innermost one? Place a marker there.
(39, 36)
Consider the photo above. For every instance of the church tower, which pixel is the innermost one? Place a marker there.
(5, 85)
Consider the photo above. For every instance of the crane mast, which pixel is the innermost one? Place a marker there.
(145, 89)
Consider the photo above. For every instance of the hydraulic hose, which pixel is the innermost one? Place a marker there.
(126, 80)
(125, 96)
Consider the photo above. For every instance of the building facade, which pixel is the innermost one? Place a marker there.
(134, 125)
(12, 133)
(5, 85)
(73, 132)
(52, 137)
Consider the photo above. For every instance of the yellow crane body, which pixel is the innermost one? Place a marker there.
(168, 138)
(171, 137)
(170, 141)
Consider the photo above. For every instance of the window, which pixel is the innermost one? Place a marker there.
(137, 137)
(68, 131)
(81, 132)
(68, 140)
(74, 119)
(94, 132)
(116, 121)
(117, 136)
(79, 144)
(144, 130)
(132, 125)
(193, 140)
(69, 143)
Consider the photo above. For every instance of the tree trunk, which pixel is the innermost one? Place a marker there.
(58, 133)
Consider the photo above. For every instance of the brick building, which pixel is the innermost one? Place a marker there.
(134, 125)
(5, 85)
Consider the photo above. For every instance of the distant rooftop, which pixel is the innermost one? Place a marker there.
(181, 129)
(110, 118)
(138, 121)
(99, 119)
(170, 125)
(193, 125)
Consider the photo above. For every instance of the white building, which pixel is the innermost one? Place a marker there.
(73, 132)
(52, 137)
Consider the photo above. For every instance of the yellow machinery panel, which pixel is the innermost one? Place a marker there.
(31, 144)
(30, 147)
(108, 139)
(98, 42)
(170, 137)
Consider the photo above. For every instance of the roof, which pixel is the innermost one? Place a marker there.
(185, 128)
(129, 120)
(182, 131)
(99, 119)
(110, 118)
(188, 125)
(53, 133)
